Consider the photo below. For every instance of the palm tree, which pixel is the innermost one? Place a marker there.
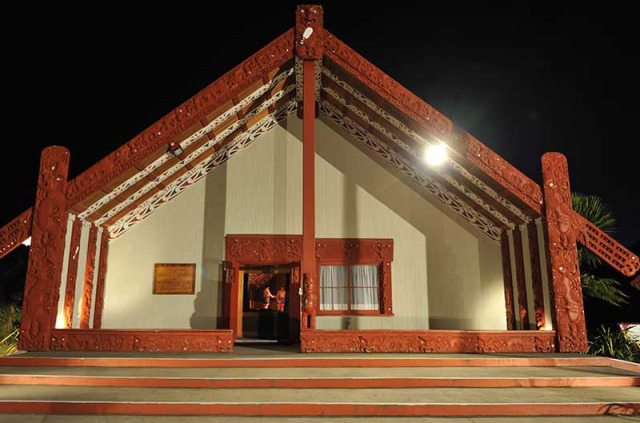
(594, 285)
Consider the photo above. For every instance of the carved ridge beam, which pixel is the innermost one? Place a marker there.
(401, 148)
(163, 132)
(440, 127)
(234, 145)
(165, 177)
(605, 247)
(392, 125)
(399, 163)
(15, 232)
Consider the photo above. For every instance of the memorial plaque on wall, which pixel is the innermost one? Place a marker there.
(174, 279)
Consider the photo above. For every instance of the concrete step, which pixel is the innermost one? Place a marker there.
(338, 396)
(488, 377)
(301, 386)
(380, 360)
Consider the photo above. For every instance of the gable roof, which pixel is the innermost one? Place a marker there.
(385, 119)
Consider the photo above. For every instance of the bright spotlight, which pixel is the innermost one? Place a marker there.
(27, 242)
(436, 154)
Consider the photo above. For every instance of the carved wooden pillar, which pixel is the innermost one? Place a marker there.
(102, 274)
(536, 276)
(233, 274)
(44, 271)
(521, 282)
(563, 255)
(308, 47)
(87, 287)
(508, 280)
(72, 272)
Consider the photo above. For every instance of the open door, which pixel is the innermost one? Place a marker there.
(295, 289)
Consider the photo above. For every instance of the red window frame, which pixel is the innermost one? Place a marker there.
(349, 310)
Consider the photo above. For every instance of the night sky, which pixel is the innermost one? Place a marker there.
(523, 78)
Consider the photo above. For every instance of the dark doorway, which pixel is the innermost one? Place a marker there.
(265, 304)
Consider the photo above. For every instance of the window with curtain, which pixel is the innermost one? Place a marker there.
(345, 288)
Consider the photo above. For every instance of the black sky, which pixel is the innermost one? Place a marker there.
(524, 78)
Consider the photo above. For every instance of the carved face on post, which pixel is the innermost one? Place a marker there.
(309, 32)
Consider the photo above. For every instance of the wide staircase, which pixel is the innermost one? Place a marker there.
(269, 385)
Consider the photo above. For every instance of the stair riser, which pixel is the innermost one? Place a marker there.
(311, 409)
(143, 382)
(306, 362)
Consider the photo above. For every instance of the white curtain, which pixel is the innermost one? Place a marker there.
(364, 287)
(334, 282)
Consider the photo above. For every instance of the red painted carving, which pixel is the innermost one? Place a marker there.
(636, 282)
(275, 54)
(563, 255)
(310, 303)
(521, 282)
(102, 274)
(42, 285)
(142, 340)
(503, 172)
(309, 44)
(354, 250)
(386, 305)
(87, 288)
(15, 232)
(267, 249)
(508, 281)
(605, 247)
(72, 273)
(437, 124)
(437, 341)
(536, 276)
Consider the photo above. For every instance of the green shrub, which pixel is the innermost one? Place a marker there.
(9, 344)
(614, 343)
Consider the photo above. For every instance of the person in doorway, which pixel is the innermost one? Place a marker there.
(281, 296)
(266, 297)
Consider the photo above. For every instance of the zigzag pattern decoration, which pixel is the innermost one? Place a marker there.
(381, 149)
(201, 170)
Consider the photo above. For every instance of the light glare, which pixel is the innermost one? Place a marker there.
(27, 242)
(436, 154)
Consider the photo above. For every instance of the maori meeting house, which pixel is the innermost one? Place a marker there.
(298, 199)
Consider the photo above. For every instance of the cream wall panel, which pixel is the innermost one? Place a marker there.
(173, 234)
(446, 274)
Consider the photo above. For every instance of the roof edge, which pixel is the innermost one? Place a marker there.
(273, 55)
(439, 126)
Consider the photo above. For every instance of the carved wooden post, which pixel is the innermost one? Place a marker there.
(536, 277)
(102, 274)
(308, 47)
(563, 255)
(309, 315)
(508, 280)
(89, 270)
(44, 271)
(521, 282)
(72, 272)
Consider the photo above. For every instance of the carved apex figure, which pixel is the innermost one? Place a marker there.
(309, 32)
